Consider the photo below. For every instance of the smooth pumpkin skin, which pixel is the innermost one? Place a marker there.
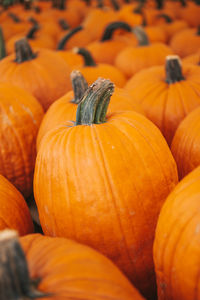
(89, 187)
(64, 110)
(14, 212)
(73, 60)
(185, 42)
(132, 60)
(69, 270)
(176, 246)
(20, 118)
(193, 58)
(186, 142)
(166, 105)
(47, 77)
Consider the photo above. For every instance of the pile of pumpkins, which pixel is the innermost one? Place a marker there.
(100, 127)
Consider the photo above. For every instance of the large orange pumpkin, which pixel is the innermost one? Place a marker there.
(40, 267)
(167, 94)
(20, 117)
(14, 212)
(42, 73)
(103, 181)
(176, 246)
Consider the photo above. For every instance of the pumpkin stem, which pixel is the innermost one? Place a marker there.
(110, 29)
(141, 36)
(167, 18)
(63, 24)
(100, 4)
(93, 107)
(27, 4)
(62, 42)
(197, 2)
(37, 9)
(160, 4)
(198, 30)
(14, 17)
(79, 86)
(33, 21)
(88, 59)
(23, 51)
(2, 45)
(138, 9)
(115, 4)
(31, 33)
(173, 69)
(62, 5)
(15, 282)
(183, 3)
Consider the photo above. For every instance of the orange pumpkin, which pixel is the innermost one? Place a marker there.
(176, 246)
(91, 71)
(167, 94)
(21, 115)
(37, 266)
(193, 58)
(89, 183)
(14, 212)
(133, 59)
(64, 109)
(190, 13)
(186, 142)
(43, 73)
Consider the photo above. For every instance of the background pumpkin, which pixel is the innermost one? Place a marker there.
(114, 160)
(176, 246)
(14, 212)
(59, 269)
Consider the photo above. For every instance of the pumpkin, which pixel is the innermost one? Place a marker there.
(185, 144)
(186, 42)
(73, 60)
(37, 266)
(133, 59)
(64, 109)
(14, 212)
(21, 115)
(193, 58)
(91, 71)
(176, 246)
(51, 74)
(190, 13)
(92, 176)
(106, 50)
(167, 93)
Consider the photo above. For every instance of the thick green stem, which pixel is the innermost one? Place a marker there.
(63, 41)
(160, 4)
(31, 33)
(62, 5)
(2, 45)
(115, 4)
(33, 21)
(183, 2)
(63, 24)
(173, 69)
(198, 30)
(15, 283)
(93, 107)
(14, 17)
(23, 51)
(167, 18)
(197, 2)
(141, 36)
(139, 8)
(110, 29)
(88, 59)
(79, 86)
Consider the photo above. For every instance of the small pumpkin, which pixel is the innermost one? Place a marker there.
(37, 266)
(176, 246)
(91, 70)
(64, 109)
(43, 73)
(167, 93)
(99, 166)
(133, 59)
(186, 143)
(20, 118)
(14, 212)
(193, 58)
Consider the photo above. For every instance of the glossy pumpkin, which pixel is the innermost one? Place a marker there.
(21, 115)
(56, 268)
(14, 212)
(89, 183)
(167, 94)
(176, 246)
(42, 73)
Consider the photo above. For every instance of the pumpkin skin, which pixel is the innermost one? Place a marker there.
(185, 144)
(64, 270)
(105, 179)
(14, 212)
(21, 115)
(193, 58)
(166, 104)
(50, 80)
(176, 246)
